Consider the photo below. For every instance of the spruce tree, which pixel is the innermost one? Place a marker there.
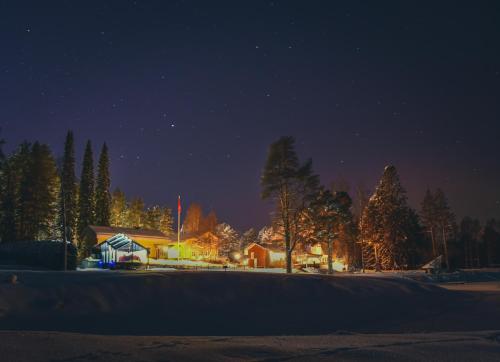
(69, 186)
(86, 205)
(102, 194)
(15, 168)
(385, 223)
(38, 196)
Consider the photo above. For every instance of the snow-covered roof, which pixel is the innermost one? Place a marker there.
(434, 264)
(122, 242)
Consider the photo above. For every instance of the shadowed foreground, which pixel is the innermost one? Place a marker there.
(56, 346)
(114, 316)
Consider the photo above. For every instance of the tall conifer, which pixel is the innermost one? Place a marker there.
(385, 224)
(69, 186)
(38, 197)
(102, 195)
(86, 209)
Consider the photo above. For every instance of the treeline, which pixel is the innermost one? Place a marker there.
(133, 214)
(38, 196)
(381, 231)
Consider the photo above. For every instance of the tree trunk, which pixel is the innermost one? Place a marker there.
(433, 243)
(330, 258)
(377, 262)
(445, 245)
(288, 251)
(465, 253)
(362, 255)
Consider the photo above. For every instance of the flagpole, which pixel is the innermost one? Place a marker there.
(178, 228)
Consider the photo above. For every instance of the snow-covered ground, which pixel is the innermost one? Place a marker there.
(57, 346)
(121, 316)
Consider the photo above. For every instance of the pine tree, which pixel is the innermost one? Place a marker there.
(38, 196)
(292, 186)
(102, 194)
(86, 209)
(69, 186)
(13, 171)
(119, 209)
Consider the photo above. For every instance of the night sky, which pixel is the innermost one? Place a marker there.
(189, 94)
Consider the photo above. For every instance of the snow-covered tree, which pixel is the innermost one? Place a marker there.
(265, 235)
(385, 224)
(248, 237)
(328, 218)
(228, 239)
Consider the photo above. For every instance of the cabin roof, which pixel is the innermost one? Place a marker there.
(132, 232)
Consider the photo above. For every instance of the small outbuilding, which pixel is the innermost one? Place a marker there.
(121, 249)
(260, 256)
(434, 266)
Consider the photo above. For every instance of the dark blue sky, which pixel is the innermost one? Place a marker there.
(189, 94)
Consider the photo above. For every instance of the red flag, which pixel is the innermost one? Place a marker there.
(179, 205)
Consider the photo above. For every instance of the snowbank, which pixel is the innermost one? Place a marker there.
(207, 303)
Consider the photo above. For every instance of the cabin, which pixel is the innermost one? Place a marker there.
(153, 241)
(260, 256)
